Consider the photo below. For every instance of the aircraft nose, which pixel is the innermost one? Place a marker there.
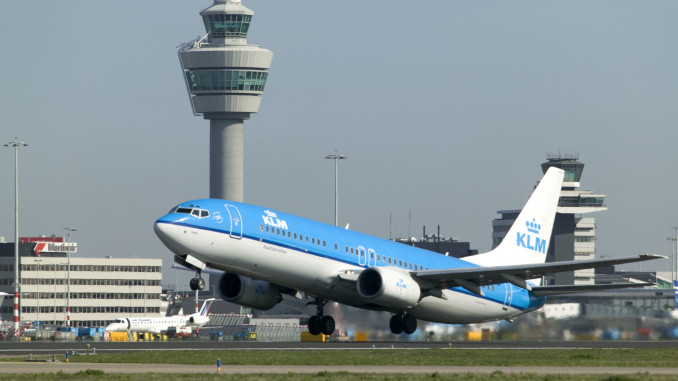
(160, 229)
(167, 234)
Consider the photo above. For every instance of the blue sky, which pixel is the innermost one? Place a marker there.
(445, 109)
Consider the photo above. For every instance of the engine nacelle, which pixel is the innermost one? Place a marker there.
(388, 287)
(249, 292)
(198, 320)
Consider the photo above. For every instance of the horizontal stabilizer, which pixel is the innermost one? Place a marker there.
(484, 276)
(562, 290)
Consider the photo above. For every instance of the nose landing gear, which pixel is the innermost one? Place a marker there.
(197, 283)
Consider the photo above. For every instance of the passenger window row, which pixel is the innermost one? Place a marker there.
(289, 234)
(349, 250)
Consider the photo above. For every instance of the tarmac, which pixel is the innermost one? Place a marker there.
(69, 368)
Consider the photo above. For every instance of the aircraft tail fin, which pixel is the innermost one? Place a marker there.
(528, 239)
(206, 306)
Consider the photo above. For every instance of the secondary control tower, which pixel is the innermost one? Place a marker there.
(225, 78)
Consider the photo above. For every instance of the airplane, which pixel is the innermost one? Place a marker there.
(180, 324)
(265, 254)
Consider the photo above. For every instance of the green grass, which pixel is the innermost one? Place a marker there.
(424, 357)
(322, 376)
(643, 358)
(646, 358)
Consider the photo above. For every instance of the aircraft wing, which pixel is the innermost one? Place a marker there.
(472, 278)
(571, 289)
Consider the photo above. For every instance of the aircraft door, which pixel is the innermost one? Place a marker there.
(236, 221)
(362, 258)
(371, 258)
(509, 296)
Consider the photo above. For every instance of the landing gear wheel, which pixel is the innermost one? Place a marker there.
(409, 324)
(320, 323)
(396, 324)
(327, 325)
(197, 284)
(314, 325)
(200, 284)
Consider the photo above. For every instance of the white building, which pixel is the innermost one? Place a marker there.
(101, 289)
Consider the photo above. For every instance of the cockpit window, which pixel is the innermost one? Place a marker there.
(200, 213)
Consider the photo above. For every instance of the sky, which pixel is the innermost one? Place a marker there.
(445, 110)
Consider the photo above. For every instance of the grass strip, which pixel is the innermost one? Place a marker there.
(641, 357)
(339, 376)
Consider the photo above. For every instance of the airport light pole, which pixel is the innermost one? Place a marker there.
(674, 251)
(68, 276)
(336, 157)
(54, 315)
(37, 318)
(16, 144)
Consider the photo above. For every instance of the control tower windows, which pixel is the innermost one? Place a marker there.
(226, 80)
(225, 25)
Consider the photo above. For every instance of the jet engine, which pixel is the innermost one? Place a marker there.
(198, 320)
(249, 292)
(388, 287)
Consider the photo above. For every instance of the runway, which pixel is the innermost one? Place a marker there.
(69, 368)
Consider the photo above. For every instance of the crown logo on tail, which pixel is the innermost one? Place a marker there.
(533, 226)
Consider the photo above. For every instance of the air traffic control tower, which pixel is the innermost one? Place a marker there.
(225, 79)
(573, 236)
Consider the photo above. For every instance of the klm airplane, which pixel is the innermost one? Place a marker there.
(266, 253)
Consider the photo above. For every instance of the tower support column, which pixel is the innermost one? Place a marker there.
(227, 154)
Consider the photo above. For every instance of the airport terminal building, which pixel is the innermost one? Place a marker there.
(101, 289)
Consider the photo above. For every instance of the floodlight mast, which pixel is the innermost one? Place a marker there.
(68, 276)
(16, 144)
(336, 157)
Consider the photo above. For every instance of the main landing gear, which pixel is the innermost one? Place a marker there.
(318, 323)
(403, 323)
(197, 283)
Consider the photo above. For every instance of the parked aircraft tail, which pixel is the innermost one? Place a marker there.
(202, 317)
(206, 306)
